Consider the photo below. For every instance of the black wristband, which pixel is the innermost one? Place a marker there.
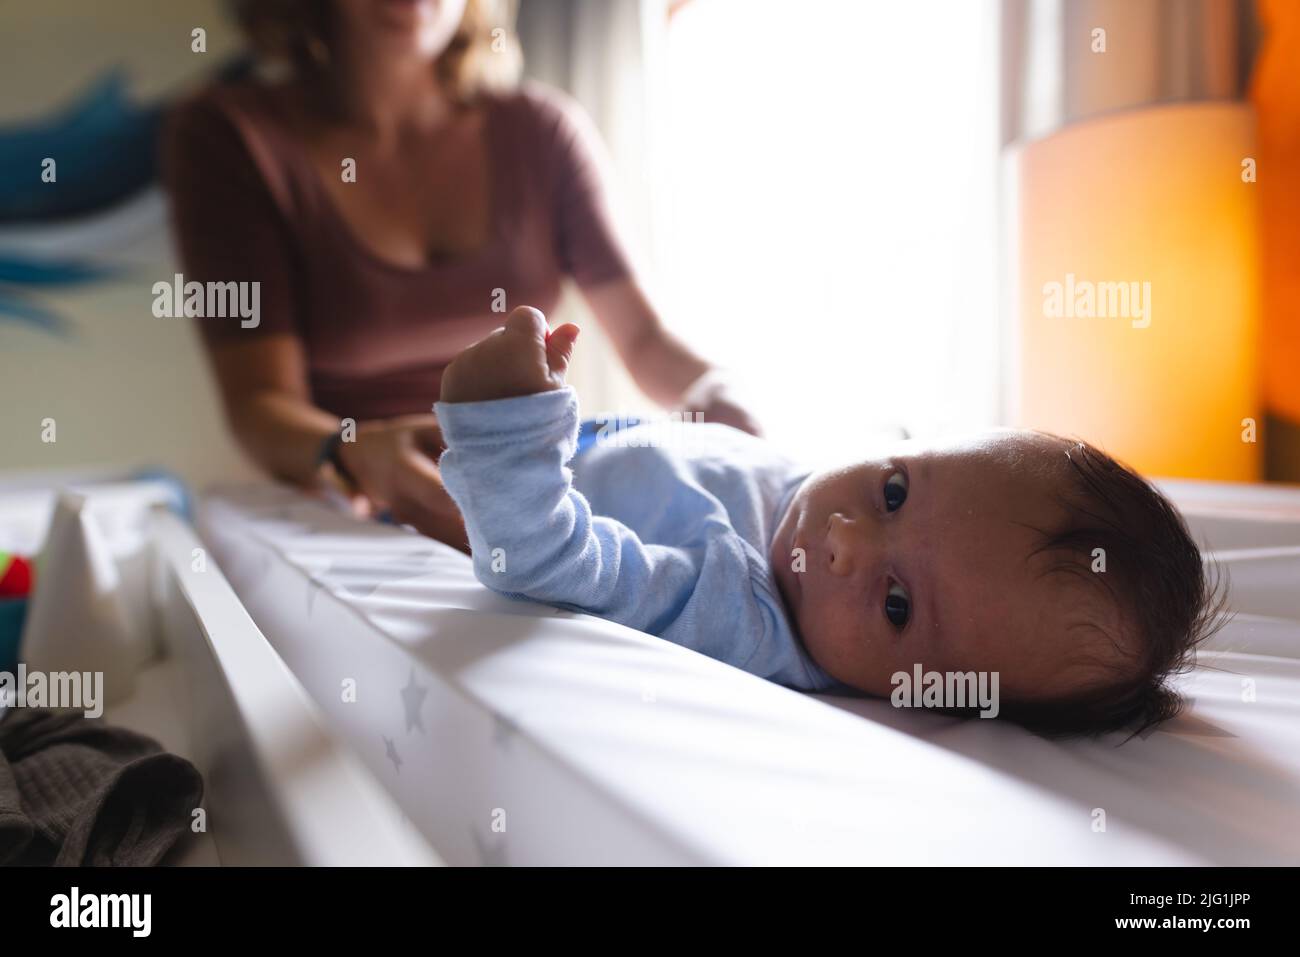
(329, 453)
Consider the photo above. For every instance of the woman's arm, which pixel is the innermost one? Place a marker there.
(591, 250)
(263, 384)
(663, 366)
(660, 363)
(230, 226)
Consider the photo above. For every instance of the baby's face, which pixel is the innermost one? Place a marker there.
(923, 556)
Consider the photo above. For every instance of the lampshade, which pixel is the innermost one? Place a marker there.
(1136, 290)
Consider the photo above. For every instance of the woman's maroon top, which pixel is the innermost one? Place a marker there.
(248, 205)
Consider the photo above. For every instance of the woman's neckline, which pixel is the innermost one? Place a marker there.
(339, 223)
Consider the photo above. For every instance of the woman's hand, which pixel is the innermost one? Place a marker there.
(392, 462)
(723, 410)
(666, 369)
(711, 398)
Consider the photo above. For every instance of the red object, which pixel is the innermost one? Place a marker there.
(16, 581)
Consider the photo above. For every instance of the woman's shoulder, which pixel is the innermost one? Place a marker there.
(248, 105)
(231, 127)
(540, 109)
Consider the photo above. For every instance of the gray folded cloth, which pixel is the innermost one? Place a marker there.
(75, 791)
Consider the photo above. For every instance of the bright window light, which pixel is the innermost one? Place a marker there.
(827, 224)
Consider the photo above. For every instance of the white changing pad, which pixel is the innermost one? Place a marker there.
(516, 734)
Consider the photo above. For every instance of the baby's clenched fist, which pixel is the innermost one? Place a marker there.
(520, 358)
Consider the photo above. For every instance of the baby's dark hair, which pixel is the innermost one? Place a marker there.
(1154, 576)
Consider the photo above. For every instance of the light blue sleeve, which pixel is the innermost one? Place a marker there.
(533, 535)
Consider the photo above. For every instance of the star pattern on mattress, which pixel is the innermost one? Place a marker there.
(290, 513)
(1242, 809)
(413, 696)
(255, 573)
(342, 574)
(392, 754)
(492, 852)
(314, 585)
(504, 730)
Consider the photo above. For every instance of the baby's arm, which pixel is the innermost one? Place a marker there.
(530, 532)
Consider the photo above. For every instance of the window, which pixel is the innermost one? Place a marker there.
(826, 224)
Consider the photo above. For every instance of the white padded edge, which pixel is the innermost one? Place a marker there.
(280, 788)
(593, 743)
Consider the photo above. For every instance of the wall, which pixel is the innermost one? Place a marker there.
(123, 387)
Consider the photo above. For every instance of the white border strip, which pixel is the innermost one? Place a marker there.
(336, 812)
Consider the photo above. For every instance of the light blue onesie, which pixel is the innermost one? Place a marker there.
(670, 540)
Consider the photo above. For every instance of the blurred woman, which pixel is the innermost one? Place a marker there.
(393, 194)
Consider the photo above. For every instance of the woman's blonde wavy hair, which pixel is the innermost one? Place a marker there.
(483, 55)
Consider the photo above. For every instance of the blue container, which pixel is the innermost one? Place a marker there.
(12, 613)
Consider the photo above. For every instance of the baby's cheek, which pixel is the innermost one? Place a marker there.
(844, 647)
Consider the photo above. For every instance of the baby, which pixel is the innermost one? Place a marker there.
(1018, 554)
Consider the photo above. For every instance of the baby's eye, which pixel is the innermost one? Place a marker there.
(895, 491)
(898, 607)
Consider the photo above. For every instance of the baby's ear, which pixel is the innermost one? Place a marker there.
(559, 348)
